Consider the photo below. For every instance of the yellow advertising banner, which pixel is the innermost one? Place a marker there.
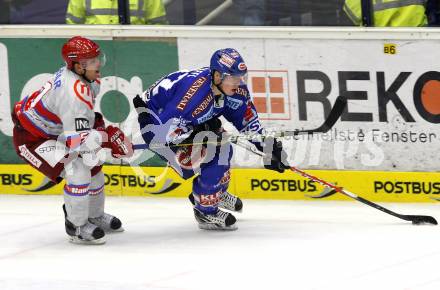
(119, 180)
(372, 185)
(246, 183)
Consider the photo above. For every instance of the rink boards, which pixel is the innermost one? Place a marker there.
(247, 183)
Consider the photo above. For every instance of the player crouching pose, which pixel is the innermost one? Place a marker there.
(63, 110)
(183, 104)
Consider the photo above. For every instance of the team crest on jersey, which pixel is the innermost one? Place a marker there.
(234, 104)
(84, 93)
(82, 124)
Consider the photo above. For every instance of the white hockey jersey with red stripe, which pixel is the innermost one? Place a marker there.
(63, 105)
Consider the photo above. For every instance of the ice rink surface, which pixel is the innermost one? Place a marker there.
(279, 245)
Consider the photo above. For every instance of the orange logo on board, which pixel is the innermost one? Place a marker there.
(270, 94)
(430, 100)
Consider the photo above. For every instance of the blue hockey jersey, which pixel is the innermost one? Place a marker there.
(184, 99)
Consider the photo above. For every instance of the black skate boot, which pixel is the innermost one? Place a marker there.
(227, 201)
(88, 233)
(108, 223)
(223, 221)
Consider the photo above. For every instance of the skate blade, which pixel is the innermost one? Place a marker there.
(231, 210)
(212, 227)
(78, 241)
(110, 231)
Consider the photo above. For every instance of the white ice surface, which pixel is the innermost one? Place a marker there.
(279, 245)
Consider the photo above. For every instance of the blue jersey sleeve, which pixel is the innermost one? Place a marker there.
(178, 100)
(241, 112)
(185, 98)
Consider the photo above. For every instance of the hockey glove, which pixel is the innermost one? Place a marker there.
(120, 145)
(138, 102)
(99, 122)
(213, 125)
(277, 159)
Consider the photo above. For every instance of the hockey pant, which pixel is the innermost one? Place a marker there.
(83, 193)
(84, 189)
(213, 173)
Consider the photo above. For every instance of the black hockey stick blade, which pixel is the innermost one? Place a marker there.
(420, 219)
(335, 114)
(333, 117)
(325, 193)
(415, 219)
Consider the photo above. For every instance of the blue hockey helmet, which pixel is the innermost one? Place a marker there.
(228, 62)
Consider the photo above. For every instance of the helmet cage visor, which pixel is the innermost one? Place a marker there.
(234, 80)
(95, 63)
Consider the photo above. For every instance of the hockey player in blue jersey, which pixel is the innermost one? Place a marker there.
(183, 104)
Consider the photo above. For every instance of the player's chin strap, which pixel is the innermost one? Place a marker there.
(217, 86)
(83, 75)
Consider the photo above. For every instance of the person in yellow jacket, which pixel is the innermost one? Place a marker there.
(106, 12)
(397, 13)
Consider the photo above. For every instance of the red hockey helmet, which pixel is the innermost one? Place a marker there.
(80, 49)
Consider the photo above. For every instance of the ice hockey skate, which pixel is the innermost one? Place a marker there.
(108, 223)
(228, 201)
(220, 221)
(88, 234)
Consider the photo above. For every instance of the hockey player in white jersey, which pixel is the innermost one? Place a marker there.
(63, 110)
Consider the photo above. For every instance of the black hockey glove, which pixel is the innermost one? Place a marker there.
(213, 125)
(276, 159)
(139, 105)
(144, 117)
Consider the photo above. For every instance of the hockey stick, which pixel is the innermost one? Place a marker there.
(333, 117)
(335, 113)
(415, 219)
